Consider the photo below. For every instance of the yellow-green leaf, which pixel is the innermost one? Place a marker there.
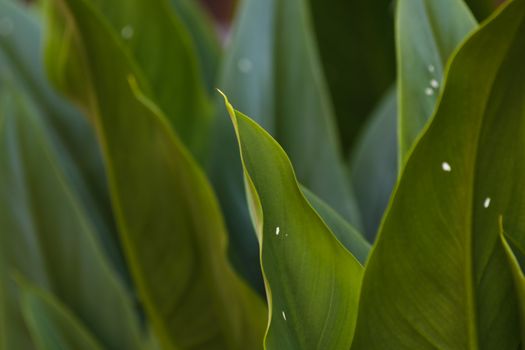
(437, 276)
(168, 216)
(311, 280)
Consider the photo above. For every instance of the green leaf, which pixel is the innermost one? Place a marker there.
(47, 237)
(163, 55)
(272, 72)
(52, 325)
(437, 276)
(70, 134)
(312, 281)
(519, 279)
(427, 33)
(201, 29)
(356, 45)
(373, 165)
(483, 8)
(161, 196)
(345, 233)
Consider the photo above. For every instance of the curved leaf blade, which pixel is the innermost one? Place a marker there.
(272, 72)
(52, 325)
(441, 227)
(47, 237)
(163, 54)
(349, 237)
(312, 280)
(160, 195)
(427, 32)
(519, 279)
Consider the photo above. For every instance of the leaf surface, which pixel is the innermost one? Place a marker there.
(437, 276)
(373, 164)
(52, 325)
(48, 238)
(312, 281)
(163, 55)
(272, 72)
(168, 217)
(519, 280)
(427, 32)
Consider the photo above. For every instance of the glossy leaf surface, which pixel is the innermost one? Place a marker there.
(427, 32)
(312, 281)
(349, 237)
(437, 276)
(160, 195)
(272, 72)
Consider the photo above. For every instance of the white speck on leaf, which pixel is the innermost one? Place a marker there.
(244, 65)
(429, 91)
(446, 167)
(486, 203)
(434, 83)
(277, 230)
(284, 315)
(127, 32)
(431, 68)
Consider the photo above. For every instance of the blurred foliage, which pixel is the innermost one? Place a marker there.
(371, 200)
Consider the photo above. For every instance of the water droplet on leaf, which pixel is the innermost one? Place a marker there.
(127, 32)
(446, 167)
(244, 65)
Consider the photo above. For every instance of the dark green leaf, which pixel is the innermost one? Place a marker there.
(356, 44)
(519, 279)
(345, 233)
(163, 57)
(168, 217)
(312, 281)
(47, 237)
(52, 325)
(70, 134)
(271, 71)
(427, 33)
(201, 29)
(437, 276)
(373, 165)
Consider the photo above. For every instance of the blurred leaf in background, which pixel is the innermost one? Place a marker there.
(356, 45)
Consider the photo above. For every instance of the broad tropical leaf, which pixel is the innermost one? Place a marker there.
(427, 32)
(70, 134)
(160, 195)
(48, 238)
(373, 164)
(162, 53)
(312, 281)
(437, 276)
(272, 72)
(52, 325)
